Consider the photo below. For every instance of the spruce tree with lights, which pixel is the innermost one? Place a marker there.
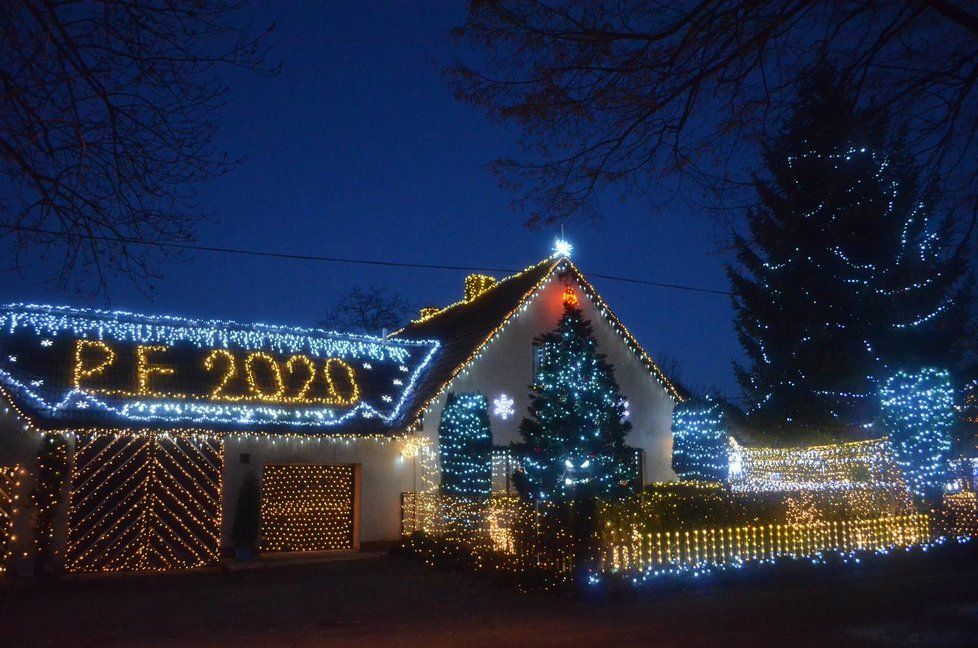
(574, 436)
(845, 270)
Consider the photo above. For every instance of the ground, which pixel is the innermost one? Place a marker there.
(391, 601)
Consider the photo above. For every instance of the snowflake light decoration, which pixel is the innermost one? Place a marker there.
(503, 406)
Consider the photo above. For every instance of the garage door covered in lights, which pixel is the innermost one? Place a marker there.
(307, 507)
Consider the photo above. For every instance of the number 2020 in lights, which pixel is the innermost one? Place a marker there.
(73, 367)
(266, 379)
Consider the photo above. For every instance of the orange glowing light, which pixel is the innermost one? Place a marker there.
(570, 297)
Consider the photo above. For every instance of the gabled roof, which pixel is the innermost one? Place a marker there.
(467, 327)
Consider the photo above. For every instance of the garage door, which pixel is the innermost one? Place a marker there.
(308, 507)
(141, 503)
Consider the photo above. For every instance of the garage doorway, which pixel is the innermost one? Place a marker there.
(307, 507)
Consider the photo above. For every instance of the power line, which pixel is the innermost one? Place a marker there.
(659, 284)
(325, 259)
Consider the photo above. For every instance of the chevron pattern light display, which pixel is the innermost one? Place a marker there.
(144, 503)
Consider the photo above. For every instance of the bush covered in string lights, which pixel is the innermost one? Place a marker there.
(49, 479)
(465, 446)
(700, 447)
(681, 506)
(918, 413)
(574, 437)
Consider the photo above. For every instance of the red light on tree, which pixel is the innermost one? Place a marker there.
(570, 297)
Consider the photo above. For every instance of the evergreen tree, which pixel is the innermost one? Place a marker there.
(917, 417)
(247, 515)
(574, 436)
(844, 271)
(465, 447)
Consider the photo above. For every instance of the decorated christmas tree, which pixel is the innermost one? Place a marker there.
(845, 271)
(574, 436)
(465, 445)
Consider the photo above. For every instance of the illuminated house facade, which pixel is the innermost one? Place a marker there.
(156, 422)
(488, 348)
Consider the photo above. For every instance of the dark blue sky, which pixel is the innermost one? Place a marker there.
(357, 149)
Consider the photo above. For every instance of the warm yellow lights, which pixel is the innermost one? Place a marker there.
(264, 376)
(961, 512)
(278, 385)
(83, 366)
(307, 507)
(626, 549)
(840, 466)
(140, 504)
(10, 477)
(145, 369)
(476, 284)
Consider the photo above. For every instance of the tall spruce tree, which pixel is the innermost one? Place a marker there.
(845, 269)
(574, 436)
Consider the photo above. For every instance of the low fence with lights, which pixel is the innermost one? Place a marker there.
(625, 549)
(518, 536)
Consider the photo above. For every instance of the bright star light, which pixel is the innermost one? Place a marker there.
(563, 248)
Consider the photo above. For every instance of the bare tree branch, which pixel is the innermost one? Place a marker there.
(629, 92)
(371, 309)
(107, 122)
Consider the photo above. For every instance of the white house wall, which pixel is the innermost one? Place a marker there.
(384, 475)
(506, 366)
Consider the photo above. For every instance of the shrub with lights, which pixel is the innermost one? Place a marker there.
(917, 414)
(574, 436)
(465, 447)
(49, 479)
(700, 449)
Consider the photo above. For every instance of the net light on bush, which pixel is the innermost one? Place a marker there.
(700, 448)
(465, 444)
(918, 412)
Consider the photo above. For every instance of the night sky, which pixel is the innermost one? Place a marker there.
(357, 149)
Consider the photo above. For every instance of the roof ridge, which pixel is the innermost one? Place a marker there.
(630, 340)
(462, 302)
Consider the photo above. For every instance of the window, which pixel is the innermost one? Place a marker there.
(537, 360)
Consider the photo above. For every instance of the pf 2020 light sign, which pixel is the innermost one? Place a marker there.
(84, 368)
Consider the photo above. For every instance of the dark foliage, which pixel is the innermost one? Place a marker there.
(247, 514)
(846, 269)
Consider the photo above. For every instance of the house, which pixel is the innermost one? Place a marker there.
(488, 347)
(157, 421)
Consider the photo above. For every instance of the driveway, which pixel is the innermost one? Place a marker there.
(390, 601)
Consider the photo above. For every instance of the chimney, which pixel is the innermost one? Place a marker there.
(476, 284)
(428, 311)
